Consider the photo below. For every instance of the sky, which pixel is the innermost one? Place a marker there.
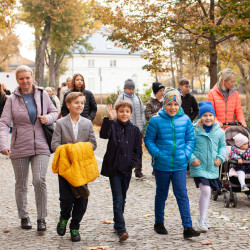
(27, 38)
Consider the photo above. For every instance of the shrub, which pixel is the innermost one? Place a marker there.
(111, 99)
(147, 94)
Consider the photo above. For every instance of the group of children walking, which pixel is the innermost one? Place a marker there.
(173, 142)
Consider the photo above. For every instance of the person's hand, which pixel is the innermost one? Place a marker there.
(244, 124)
(217, 162)
(43, 119)
(6, 152)
(112, 112)
(221, 124)
(239, 161)
(196, 163)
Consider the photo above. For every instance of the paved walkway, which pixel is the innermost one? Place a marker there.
(230, 226)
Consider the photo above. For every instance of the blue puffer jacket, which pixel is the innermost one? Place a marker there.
(208, 147)
(170, 140)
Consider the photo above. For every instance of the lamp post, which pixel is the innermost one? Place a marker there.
(100, 75)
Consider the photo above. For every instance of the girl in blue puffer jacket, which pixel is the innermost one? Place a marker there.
(209, 152)
(169, 139)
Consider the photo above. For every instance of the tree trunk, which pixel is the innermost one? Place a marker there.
(192, 82)
(181, 66)
(52, 75)
(213, 62)
(172, 68)
(40, 53)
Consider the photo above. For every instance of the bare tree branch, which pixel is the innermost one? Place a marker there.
(203, 9)
(225, 38)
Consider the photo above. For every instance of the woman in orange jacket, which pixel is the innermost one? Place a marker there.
(226, 100)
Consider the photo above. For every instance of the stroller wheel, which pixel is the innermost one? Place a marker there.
(226, 199)
(215, 195)
(234, 201)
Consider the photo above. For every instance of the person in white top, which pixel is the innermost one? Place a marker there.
(56, 99)
(65, 89)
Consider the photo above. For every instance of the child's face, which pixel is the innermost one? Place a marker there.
(184, 88)
(208, 119)
(160, 93)
(124, 114)
(244, 146)
(76, 106)
(129, 91)
(78, 82)
(172, 108)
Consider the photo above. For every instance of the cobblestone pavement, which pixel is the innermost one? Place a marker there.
(230, 226)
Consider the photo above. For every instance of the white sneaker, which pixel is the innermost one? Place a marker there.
(207, 223)
(202, 225)
(244, 188)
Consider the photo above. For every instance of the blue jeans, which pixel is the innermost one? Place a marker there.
(180, 191)
(119, 186)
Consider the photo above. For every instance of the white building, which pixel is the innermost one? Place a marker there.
(107, 67)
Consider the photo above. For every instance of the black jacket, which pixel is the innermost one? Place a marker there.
(124, 148)
(190, 106)
(90, 106)
(2, 103)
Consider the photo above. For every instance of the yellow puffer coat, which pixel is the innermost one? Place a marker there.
(76, 163)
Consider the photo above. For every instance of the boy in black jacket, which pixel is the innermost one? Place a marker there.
(189, 103)
(123, 154)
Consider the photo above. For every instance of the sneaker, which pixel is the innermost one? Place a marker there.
(202, 225)
(207, 223)
(190, 232)
(61, 226)
(25, 223)
(75, 236)
(41, 225)
(160, 228)
(123, 236)
(140, 175)
(244, 188)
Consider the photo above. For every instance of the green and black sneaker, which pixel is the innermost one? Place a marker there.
(75, 236)
(61, 226)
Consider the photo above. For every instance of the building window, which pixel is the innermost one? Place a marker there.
(113, 63)
(91, 63)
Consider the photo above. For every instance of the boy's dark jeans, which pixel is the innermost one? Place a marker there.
(119, 186)
(69, 203)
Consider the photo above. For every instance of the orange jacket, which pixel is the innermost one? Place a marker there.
(225, 110)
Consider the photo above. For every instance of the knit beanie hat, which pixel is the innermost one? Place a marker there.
(156, 86)
(240, 139)
(205, 107)
(129, 84)
(170, 95)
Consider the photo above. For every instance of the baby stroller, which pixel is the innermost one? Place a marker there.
(228, 176)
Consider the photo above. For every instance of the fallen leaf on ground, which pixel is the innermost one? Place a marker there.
(206, 243)
(147, 215)
(98, 247)
(6, 231)
(107, 187)
(108, 222)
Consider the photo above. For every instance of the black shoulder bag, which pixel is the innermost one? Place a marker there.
(47, 129)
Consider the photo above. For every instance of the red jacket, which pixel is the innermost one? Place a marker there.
(225, 110)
